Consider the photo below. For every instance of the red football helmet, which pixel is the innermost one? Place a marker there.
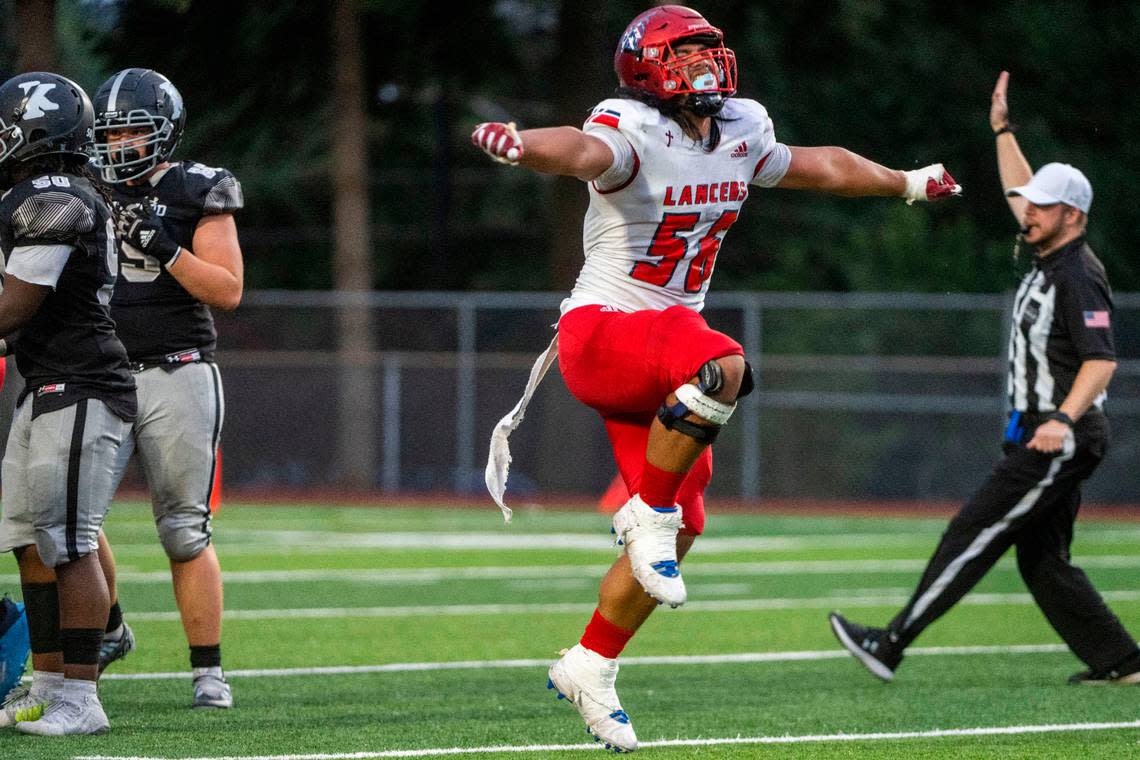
(645, 59)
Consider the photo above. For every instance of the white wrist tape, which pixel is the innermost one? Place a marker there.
(916, 180)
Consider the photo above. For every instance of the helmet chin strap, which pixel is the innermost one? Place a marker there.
(705, 104)
(130, 157)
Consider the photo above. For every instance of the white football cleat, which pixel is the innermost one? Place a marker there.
(28, 702)
(71, 715)
(587, 680)
(650, 540)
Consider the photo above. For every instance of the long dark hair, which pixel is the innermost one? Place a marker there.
(673, 109)
(57, 163)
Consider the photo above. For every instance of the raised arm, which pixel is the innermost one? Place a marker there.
(1012, 166)
(840, 172)
(554, 150)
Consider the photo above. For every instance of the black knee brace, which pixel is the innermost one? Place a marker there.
(673, 418)
(696, 399)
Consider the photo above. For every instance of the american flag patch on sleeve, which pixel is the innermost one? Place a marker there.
(605, 116)
(1096, 319)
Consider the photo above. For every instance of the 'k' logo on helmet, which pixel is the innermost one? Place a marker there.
(632, 40)
(175, 99)
(37, 103)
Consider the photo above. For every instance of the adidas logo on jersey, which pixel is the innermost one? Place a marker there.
(741, 151)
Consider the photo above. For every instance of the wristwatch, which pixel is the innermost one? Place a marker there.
(1061, 417)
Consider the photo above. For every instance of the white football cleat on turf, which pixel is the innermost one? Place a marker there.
(27, 702)
(71, 715)
(650, 540)
(587, 680)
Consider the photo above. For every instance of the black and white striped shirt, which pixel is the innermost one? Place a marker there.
(1061, 318)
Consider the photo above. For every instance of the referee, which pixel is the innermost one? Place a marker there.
(1061, 358)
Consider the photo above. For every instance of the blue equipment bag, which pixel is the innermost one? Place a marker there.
(15, 644)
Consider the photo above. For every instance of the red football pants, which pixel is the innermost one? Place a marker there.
(623, 365)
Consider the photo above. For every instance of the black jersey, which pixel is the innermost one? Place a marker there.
(154, 315)
(1062, 316)
(67, 350)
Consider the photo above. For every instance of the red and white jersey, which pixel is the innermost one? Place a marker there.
(658, 215)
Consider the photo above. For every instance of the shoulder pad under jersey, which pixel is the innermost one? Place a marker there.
(629, 116)
(53, 208)
(214, 190)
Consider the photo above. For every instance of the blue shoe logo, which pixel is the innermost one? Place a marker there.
(668, 568)
(620, 716)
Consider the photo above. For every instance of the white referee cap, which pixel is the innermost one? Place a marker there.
(1057, 183)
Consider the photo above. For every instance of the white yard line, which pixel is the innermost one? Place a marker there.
(695, 569)
(252, 541)
(736, 740)
(331, 541)
(891, 599)
(710, 659)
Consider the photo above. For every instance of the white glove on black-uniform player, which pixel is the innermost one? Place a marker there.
(141, 228)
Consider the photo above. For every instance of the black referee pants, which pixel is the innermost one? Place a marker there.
(1030, 501)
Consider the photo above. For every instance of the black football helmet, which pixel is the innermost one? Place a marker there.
(42, 114)
(139, 99)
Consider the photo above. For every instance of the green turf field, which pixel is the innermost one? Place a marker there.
(357, 633)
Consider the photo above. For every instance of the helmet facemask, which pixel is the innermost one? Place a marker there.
(131, 157)
(11, 138)
(704, 77)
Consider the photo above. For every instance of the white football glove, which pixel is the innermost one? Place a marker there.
(930, 183)
(499, 141)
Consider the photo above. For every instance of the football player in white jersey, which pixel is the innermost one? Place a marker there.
(669, 162)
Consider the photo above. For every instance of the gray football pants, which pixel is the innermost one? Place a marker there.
(176, 436)
(59, 477)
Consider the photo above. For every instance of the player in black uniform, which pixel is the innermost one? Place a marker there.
(179, 256)
(57, 236)
(1061, 358)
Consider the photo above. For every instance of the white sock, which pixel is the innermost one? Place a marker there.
(75, 689)
(47, 684)
(114, 635)
(215, 672)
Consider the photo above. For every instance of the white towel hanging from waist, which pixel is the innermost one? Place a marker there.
(499, 458)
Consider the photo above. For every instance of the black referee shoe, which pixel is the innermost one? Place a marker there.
(871, 646)
(1126, 672)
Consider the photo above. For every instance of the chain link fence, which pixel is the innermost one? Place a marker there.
(861, 396)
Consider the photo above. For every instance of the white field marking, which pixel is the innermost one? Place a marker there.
(331, 541)
(551, 584)
(577, 583)
(699, 659)
(694, 568)
(554, 608)
(720, 589)
(733, 740)
(251, 542)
